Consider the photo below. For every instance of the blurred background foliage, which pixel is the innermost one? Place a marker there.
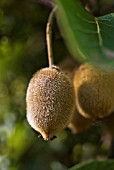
(22, 53)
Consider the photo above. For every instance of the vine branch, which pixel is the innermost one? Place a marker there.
(49, 36)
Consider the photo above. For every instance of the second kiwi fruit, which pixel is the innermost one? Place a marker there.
(94, 88)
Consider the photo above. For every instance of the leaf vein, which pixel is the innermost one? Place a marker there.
(99, 33)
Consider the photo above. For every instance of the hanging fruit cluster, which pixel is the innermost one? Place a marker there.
(72, 95)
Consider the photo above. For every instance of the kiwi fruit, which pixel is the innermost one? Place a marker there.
(94, 90)
(50, 101)
(79, 123)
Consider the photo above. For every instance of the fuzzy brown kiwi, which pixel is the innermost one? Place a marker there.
(50, 101)
(94, 89)
(50, 95)
(79, 123)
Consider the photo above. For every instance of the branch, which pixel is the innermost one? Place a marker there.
(49, 36)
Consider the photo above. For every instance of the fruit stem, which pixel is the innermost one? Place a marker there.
(49, 36)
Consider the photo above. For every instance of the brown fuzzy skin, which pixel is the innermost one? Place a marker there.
(50, 101)
(94, 89)
(79, 123)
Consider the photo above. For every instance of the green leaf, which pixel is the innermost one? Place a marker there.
(88, 37)
(95, 165)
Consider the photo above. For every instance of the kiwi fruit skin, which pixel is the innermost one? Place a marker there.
(79, 123)
(50, 101)
(94, 90)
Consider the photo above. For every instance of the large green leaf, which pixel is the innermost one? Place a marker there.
(88, 37)
(95, 165)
